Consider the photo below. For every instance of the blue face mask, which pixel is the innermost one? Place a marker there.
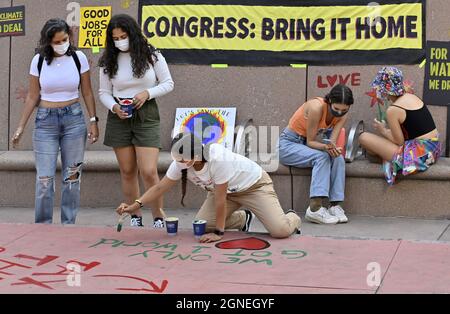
(337, 114)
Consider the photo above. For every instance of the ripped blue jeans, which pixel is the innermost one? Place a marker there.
(58, 129)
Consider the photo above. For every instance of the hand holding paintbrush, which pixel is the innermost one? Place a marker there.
(123, 215)
(121, 220)
(125, 210)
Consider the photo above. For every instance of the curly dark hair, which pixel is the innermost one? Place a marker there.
(49, 30)
(142, 53)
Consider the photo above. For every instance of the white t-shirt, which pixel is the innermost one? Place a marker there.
(157, 81)
(60, 80)
(223, 166)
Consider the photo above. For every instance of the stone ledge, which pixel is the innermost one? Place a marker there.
(105, 161)
(95, 161)
(365, 169)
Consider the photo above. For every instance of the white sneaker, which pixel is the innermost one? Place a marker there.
(322, 216)
(338, 212)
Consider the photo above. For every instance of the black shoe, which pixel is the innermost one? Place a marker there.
(136, 221)
(248, 220)
(158, 223)
(297, 231)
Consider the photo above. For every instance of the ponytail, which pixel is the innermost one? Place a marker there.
(183, 185)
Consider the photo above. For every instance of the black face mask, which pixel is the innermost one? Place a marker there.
(337, 114)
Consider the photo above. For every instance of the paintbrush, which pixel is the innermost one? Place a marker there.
(121, 220)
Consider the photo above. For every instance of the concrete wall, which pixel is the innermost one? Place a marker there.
(5, 43)
(438, 23)
(268, 95)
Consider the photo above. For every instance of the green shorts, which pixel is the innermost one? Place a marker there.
(141, 130)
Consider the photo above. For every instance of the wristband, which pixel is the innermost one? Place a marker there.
(140, 203)
(219, 232)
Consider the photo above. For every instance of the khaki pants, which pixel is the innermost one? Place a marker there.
(261, 200)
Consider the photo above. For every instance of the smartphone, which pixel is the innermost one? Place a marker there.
(328, 141)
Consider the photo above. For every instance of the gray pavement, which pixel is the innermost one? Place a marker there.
(359, 227)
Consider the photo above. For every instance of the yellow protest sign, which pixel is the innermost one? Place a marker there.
(12, 21)
(282, 28)
(93, 25)
(256, 32)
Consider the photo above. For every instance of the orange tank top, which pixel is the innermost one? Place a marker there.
(297, 123)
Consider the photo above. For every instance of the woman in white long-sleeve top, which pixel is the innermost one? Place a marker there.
(132, 74)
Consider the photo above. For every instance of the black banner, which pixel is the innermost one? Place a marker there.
(436, 89)
(271, 33)
(12, 21)
(436, 85)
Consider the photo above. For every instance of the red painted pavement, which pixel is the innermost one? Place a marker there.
(419, 268)
(33, 259)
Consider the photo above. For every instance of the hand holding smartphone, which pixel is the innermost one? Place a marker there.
(331, 148)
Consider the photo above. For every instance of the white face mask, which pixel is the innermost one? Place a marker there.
(122, 45)
(61, 49)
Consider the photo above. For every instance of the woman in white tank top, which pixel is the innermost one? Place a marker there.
(57, 73)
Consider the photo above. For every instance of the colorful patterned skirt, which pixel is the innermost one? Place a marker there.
(414, 156)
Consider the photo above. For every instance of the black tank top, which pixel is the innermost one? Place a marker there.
(418, 122)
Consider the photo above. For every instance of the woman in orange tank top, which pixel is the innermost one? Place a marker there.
(310, 141)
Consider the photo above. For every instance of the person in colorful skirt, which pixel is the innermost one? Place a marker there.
(409, 140)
